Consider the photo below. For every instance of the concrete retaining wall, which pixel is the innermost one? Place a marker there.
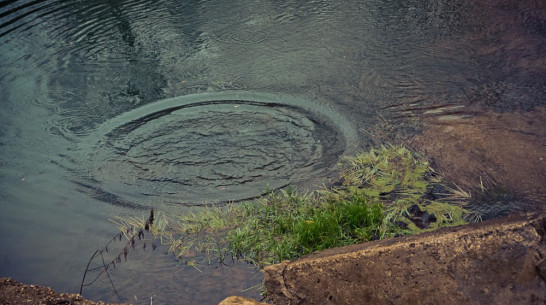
(493, 262)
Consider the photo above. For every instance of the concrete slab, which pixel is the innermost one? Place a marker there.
(494, 262)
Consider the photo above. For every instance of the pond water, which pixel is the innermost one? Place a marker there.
(110, 108)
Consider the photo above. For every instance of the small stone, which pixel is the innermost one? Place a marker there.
(236, 300)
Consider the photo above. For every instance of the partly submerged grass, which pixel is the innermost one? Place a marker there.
(407, 186)
(382, 193)
(287, 224)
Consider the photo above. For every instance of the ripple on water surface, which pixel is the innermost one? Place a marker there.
(213, 148)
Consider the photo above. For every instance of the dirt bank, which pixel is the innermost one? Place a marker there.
(15, 293)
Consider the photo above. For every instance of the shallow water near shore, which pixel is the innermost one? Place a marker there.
(110, 108)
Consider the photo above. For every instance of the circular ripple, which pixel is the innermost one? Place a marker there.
(243, 36)
(212, 148)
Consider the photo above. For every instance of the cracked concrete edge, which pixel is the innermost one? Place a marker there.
(451, 255)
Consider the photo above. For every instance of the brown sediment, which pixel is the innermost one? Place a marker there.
(508, 149)
(13, 292)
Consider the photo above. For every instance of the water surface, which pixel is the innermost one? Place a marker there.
(112, 107)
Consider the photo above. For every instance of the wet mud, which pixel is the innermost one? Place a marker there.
(490, 151)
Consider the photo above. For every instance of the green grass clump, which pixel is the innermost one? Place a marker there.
(405, 182)
(382, 193)
(286, 225)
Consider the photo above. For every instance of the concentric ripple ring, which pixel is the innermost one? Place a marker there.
(213, 148)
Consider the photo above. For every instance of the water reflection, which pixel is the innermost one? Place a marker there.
(382, 69)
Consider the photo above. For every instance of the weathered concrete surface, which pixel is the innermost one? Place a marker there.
(501, 261)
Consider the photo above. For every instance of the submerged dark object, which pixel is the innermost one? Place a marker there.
(150, 221)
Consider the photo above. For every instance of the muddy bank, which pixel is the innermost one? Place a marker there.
(501, 261)
(490, 150)
(15, 293)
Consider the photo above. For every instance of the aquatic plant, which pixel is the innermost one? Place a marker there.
(132, 231)
(287, 224)
(382, 193)
(408, 187)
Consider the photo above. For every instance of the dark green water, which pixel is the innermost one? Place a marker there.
(112, 107)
